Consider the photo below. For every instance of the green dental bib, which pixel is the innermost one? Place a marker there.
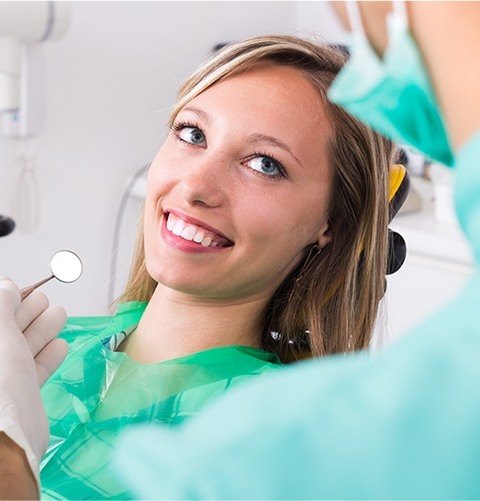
(97, 392)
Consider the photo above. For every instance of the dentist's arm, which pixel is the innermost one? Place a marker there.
(17, 480)
(29, 354)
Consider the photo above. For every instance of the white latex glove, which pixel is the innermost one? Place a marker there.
(29, 354)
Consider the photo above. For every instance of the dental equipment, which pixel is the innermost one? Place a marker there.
(65, 266)
(7, 225)
(23, 24)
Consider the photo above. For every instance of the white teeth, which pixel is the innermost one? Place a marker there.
(178, 228)
(199, 237)
(189, 232)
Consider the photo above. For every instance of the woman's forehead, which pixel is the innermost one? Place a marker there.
(265, 86)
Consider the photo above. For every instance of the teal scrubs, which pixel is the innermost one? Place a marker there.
(402, 424)
(98, 391)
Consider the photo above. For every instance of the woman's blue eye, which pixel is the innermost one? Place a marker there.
(191, 135)
(266, 165)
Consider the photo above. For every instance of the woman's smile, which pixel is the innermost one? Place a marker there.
(189, 234)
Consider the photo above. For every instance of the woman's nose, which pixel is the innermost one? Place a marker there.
(205, 181)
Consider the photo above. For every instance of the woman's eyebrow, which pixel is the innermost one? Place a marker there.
(273, 141)
(200, 113)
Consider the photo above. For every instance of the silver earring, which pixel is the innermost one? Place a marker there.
(312, 255)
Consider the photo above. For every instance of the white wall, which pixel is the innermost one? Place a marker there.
(318, 19)
(109, 84)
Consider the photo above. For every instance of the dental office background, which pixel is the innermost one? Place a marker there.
(98, 98)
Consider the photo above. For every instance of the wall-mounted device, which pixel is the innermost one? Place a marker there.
(23, 24)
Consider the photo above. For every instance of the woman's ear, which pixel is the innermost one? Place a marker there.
(325, 236)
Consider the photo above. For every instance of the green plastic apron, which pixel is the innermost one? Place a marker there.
(97, 392)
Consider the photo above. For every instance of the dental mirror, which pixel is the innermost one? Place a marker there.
(65, 266)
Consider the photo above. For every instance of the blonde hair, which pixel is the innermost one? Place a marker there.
(329, 303)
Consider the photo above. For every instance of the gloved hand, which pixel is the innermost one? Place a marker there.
(29, 354)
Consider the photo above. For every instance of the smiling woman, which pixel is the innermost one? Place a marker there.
(289, 180)
(264, 237)
(253, 154)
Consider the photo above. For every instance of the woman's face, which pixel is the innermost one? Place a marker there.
(240, 188)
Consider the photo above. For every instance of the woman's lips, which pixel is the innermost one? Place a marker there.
(193, 231)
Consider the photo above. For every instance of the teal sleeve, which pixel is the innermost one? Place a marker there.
(404, 424)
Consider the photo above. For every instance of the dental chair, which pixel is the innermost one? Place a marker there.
(399, 186)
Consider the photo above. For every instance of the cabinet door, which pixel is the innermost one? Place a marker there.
(422, 286)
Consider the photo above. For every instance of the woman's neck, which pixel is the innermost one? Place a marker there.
(175, 325)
